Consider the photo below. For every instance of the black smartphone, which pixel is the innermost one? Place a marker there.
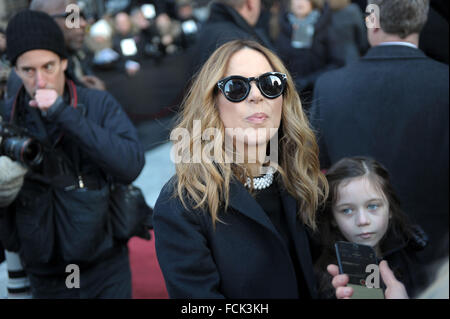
(360, 263)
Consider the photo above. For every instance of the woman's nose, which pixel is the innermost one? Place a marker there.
(255, 95)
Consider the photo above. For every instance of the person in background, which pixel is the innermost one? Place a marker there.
(363, 208)
(79, 62)
(127, 44)
(347, 24)
(149, 38)
(306, 43)
(61, 214)
(228, 20)
(170, 32)
(190, 25)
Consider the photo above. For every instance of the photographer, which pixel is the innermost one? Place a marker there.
(61, 214)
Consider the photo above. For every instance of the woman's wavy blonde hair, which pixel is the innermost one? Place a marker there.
(206, 185)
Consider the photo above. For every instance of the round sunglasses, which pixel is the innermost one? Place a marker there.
(236, 88)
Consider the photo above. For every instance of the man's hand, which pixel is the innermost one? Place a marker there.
(394, 288)
(93, 82)
(44, 98)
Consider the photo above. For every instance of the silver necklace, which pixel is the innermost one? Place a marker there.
(261, 182)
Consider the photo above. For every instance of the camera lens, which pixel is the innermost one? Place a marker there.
(24, 150)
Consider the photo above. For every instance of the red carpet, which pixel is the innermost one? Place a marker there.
(147, 279)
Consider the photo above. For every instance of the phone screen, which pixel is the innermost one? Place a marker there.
(360, 263)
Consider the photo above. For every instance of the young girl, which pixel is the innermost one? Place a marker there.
(362, 208)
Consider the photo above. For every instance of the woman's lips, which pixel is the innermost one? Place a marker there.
(366, 235)
(257, 118)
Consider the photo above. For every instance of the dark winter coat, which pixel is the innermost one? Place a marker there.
(61, 215)
(224, 24)
(243, 257)
(306, 64)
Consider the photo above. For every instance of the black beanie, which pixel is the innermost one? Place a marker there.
(33, 30)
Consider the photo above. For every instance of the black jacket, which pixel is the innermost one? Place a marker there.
(224, 24)
(402, 258)
(306, 64)
(350, 33)
(392, 105)
(61, 214)
(244, 257)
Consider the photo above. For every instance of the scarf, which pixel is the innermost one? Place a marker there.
(303, 29)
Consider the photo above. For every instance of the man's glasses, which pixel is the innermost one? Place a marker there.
(236, 88)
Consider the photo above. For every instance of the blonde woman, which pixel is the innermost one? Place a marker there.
(222, 229)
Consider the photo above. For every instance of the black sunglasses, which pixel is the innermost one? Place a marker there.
(236, 88)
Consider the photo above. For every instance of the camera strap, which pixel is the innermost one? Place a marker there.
(65, 180)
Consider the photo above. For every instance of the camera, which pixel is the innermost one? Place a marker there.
(19, 146)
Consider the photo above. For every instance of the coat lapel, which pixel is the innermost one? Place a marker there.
(241, 200)
(301, 241)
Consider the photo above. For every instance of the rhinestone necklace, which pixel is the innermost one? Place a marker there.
(261, 182)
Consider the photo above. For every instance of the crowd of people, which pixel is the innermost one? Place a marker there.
(353, 101)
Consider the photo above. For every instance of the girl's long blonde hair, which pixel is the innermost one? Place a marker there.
(206, 185)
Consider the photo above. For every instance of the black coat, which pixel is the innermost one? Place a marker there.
(55, 220)
(392, 105)
(347, 25)
(244, 257)
(224, 24)
(306, 64)
(402, 257)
